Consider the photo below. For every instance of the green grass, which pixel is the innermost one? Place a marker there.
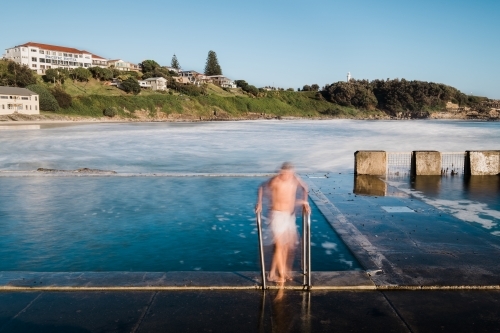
(91, 98)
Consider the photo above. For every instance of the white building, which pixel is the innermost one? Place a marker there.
(123, 65)
(40, 57)
(157, 83)
(222, 81)
(19, 100)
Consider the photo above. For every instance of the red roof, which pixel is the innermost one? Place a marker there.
(57, 48)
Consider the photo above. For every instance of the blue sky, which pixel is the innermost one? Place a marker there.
(281, 43)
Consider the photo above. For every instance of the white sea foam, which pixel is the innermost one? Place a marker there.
(465, 210)
(258, 146)
(329, 246)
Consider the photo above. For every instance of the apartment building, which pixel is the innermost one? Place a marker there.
(40, 57)
(18, 100)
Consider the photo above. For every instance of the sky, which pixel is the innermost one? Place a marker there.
(281, 43)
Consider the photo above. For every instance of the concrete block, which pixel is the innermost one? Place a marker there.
(482, 163)
(370, 162)
(426, 163)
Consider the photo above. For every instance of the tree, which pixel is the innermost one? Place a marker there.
(149, 66)
(212, 66)
(81, 74)
(131, 85)
(54, 76)
(175, 63)
(306, 88)
(17, 75)
(46, 99)
(314, 87)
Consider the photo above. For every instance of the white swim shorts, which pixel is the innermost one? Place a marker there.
(283, 227)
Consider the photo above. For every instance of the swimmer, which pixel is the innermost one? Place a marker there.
(283, 192)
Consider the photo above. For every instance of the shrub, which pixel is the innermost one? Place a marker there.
(80, 74)
(110, 112)
(131, 85)
(63, 98)
(46, 100)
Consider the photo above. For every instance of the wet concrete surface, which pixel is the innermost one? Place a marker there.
(251, 311)
(422, 248)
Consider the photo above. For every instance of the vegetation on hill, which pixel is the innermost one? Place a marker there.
(89, 92)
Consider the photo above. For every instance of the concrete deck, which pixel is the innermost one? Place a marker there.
(422, 248)
(250, 311)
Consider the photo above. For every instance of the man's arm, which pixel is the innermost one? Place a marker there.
(305, 194)
(260, 193)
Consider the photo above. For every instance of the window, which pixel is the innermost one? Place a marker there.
(36, 107)
(49, 67)
(54, 62)
(36, 98)
(41, 60)
(3, 106)
(42, 66)
(33, 65)
(70, 55)
(25, 98)
(4, 97)
(33, 59)
(42, 52)
(33, 50)
(60, 54)
(80, 56)
(54, 53)
(65, 54)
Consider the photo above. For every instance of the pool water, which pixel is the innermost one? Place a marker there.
(143, 224)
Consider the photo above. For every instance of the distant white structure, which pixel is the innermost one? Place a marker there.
(20, 100)
(348, 76)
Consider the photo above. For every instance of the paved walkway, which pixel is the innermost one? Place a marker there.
(251, 311)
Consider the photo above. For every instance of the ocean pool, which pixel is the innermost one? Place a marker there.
(142, 223)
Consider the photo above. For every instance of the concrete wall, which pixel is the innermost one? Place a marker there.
(370, 162)
(482, 163)
(426, 163)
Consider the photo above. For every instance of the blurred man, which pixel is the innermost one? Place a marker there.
(283, 195)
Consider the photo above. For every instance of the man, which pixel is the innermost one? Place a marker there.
(283, 193)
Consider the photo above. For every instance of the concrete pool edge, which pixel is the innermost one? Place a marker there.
(188, 280)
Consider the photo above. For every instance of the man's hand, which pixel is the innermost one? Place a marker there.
(258, 208)
(306, 206)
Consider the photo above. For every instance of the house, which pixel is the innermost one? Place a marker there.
(193, 77)
(98, 61)
(123, 65)
(20, 100)
(171, 69)
(156, 83)
(222, 81)
(40, 57)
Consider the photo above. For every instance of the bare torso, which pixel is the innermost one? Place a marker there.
(283, 193)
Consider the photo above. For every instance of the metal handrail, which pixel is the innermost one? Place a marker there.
(306, 249)
(261, 250)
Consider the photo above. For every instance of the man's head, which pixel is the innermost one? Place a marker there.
(286, 170)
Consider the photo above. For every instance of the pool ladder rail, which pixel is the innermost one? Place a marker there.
(306, 250)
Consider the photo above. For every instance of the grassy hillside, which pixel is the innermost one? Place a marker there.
(91, 98)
